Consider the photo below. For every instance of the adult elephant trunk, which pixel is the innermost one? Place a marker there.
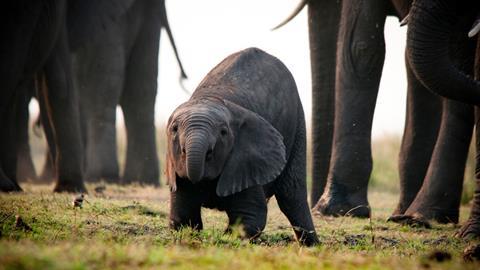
(431, 25)
(196, 146)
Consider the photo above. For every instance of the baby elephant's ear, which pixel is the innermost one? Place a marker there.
(258, 154)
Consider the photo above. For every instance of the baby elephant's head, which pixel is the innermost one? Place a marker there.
(217, 139)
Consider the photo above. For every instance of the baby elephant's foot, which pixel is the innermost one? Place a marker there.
(307, 238)
(411, 220)
(470, 230)
(339, 205)
(245, 232)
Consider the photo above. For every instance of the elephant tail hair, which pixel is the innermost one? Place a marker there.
(166, 26)
(294, 14)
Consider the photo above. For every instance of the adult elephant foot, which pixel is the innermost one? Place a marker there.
(422, 215)
(439, 196)
(415, 221)
(7, 185)
(141, 167)
(73, 187)
(338, 202)
(471, 229)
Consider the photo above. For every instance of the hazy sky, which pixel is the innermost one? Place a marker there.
(209, 30)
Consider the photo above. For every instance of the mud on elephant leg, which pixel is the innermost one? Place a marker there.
(439, 197)
(422, 123)
(360, 56)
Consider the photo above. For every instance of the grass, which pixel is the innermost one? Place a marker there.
(385, 176)
(127, 227)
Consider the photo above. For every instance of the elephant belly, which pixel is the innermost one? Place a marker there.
(214, 202)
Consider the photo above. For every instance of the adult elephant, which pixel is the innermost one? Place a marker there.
(119, 67)
(347, 53)
(35, 46)
(431, 26)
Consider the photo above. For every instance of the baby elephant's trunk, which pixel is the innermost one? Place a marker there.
(196, 146)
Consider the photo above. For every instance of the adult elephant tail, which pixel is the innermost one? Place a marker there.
(295, 12)
(431, 25)
(166, 26)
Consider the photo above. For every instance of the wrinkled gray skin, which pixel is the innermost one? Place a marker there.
(121, 68)
(34, 45)
(431, 26)
(239, 140)
(117, 64)
(438, 197)
(347, 52)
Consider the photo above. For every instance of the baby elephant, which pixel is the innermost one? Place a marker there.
(238, 141)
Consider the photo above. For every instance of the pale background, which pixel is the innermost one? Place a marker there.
(209, 30)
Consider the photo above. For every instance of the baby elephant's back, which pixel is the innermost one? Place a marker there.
(259, 82)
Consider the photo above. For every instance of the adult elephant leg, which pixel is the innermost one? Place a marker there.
(14, 52)
(323, 20)
(471, 228)
(99, 76)
(8, 148)
(439, 197)
(360, 56)
(138, 104)
(62, 108)
(422, 124)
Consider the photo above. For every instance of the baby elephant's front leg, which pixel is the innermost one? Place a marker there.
(185, 204)
(248, 209)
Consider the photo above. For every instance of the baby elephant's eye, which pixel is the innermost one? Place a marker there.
(224, 132)
(175, 129)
